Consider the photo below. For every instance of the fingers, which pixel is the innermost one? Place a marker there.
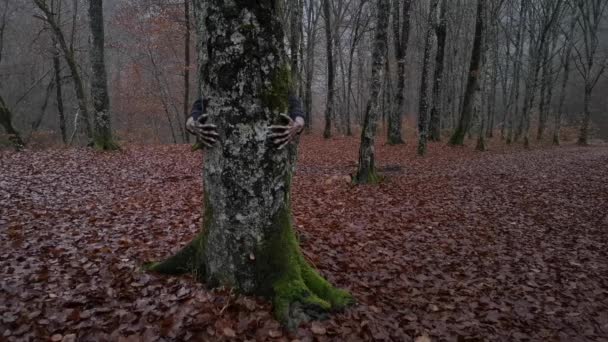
(287, 117)
(203, 118)
(278, 135)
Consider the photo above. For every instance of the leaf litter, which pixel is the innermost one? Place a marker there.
(456, 246)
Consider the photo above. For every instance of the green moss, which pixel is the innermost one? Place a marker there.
(103, 144)
(245, 28)
(297, 290)
(276, 96)
(371, 177)
(196, 146)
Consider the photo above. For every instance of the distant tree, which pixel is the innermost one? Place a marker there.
(441, 33)
(566, 60)
(6, 120)
(329, 106)
(401, 36)
(466, 114)
(186, 108)
(248, 241)
(70, 58)
(366, 172)
(312, 18)
(6, 116)
(102, 137)
(423, 104)
(589, 63)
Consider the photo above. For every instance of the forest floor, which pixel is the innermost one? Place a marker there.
(460, 245)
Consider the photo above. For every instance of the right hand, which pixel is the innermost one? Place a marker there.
(206, 132)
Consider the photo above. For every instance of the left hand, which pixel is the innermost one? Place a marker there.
(283, 135)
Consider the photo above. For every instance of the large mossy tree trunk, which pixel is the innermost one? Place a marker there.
(466, 115)
(102, 135)
(366, 173)
(248, 241)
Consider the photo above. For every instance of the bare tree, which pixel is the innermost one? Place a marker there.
(566, 59)
(423, 104)
(329, 107)
(186, 64)
(366, 172)
(466, 114)
(441, 33)
(70, 58)
(6, 116)
(401, 36)
(102, 137)
(588, 62)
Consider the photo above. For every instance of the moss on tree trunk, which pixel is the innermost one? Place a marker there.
(247, 241)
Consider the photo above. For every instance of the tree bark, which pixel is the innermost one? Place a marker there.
(366, 172)
(329, 107)
(248, 240)
(566, 60)
(473, 80)
(6, 120)
(423, 105)
(70, 59)
(59, 94)
(186, 107)
(102, 138)
(401, 35)
(441, 33)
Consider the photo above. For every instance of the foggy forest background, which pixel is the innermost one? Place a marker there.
(151, 54)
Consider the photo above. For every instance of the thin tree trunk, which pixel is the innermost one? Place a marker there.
(6, 120)
(329, 107)
(423, 105)
(517, 64)
(366, 172)
(583, 138)
(566, 60)
(473, 80)
(70, 59)
(248, 241)
(401, 35)
(186, 107)
(441, 33)
(59, 95)
(99, 85)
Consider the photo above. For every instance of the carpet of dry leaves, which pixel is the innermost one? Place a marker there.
(504, 245)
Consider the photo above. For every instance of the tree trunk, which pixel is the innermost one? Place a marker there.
(248, 240)
(566, 60)
(441, 33)
(423, 105)
(583, 137)
(473, 81)
(6, 120)
(186, 108)
(59, 95)
(70, 59)
(329, 107)
(401, 35)
(366, 173)
(311, 34)
(102, 138)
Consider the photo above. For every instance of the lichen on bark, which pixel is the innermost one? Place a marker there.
(247, 241)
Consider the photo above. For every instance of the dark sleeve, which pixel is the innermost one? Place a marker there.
(197, 109)
(295, 107)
